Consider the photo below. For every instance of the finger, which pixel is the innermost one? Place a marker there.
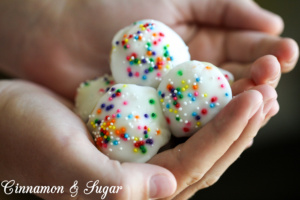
(245, 46)
(239, 145)
(213, 175)
(137, 181)
(231, 13)
(210, 142)
(242, 85)
(265, 70)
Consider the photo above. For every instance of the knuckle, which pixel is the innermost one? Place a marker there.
(209, 181)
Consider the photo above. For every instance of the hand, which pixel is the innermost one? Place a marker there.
(62, 43)
(43, 143)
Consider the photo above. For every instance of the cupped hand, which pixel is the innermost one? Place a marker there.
(43, 143)
(62, 43)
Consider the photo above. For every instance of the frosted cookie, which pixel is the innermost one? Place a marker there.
(227, 75)
(128, 124)
(143, 52)
(88, 94)
(191, 94)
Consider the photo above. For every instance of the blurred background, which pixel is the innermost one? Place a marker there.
(270, 169)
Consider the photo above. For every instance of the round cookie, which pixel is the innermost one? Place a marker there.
(227, 75)
(128, 124)
(88, 94)
(143, 52)
(191, 94)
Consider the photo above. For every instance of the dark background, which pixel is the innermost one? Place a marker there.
(270, 169)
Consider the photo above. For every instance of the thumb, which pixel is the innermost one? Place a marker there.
(136, 180)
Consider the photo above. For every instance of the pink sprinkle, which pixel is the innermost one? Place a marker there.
(175, 98)
(128, 69)
(118, 110)
(219, 78)
(110, 98)
(125, 103)
(196, 94)
(158, 74)
(139, 127)
(137, 74)
(113, 116)
(222, 85)
(101, 90)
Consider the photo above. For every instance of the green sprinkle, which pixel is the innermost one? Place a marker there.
(180, 73)
(152, 101)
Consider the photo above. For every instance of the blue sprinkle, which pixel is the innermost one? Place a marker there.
(198, 79)
(144, 77)
(115, 142)
(130, 116)
(168, 106)
(212, 105)
(194, 114)
(126, 135)
(118, 115)
(193, 99)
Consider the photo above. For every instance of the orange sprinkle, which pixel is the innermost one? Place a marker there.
(113, 121)
(158, 132)
(124, 36)
(208, 67)
(137, 117)
(169, 86)
(123, 130)
(159, 66)
(195, 87)
(99, 111)
(149, 53)
(117, 132)
(140, 37)
(154, 34)
(168, 58)
(159, 59)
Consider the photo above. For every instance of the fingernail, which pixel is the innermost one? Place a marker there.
(160, 186)
(275, 79)
(268, 106)
(255, 105)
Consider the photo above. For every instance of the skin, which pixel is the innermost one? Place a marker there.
(55, 45)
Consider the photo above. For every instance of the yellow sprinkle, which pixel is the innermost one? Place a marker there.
(183, 82)
(126, 40)
(205, 94)
(183, 89)
(170, 110)
(198, 123)
(136, 139)
(124, 85)
(148, 129)
(186, 86)
(175, 111)
(135, 150)
(167, 66)
(161, 100)
(105, 136)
